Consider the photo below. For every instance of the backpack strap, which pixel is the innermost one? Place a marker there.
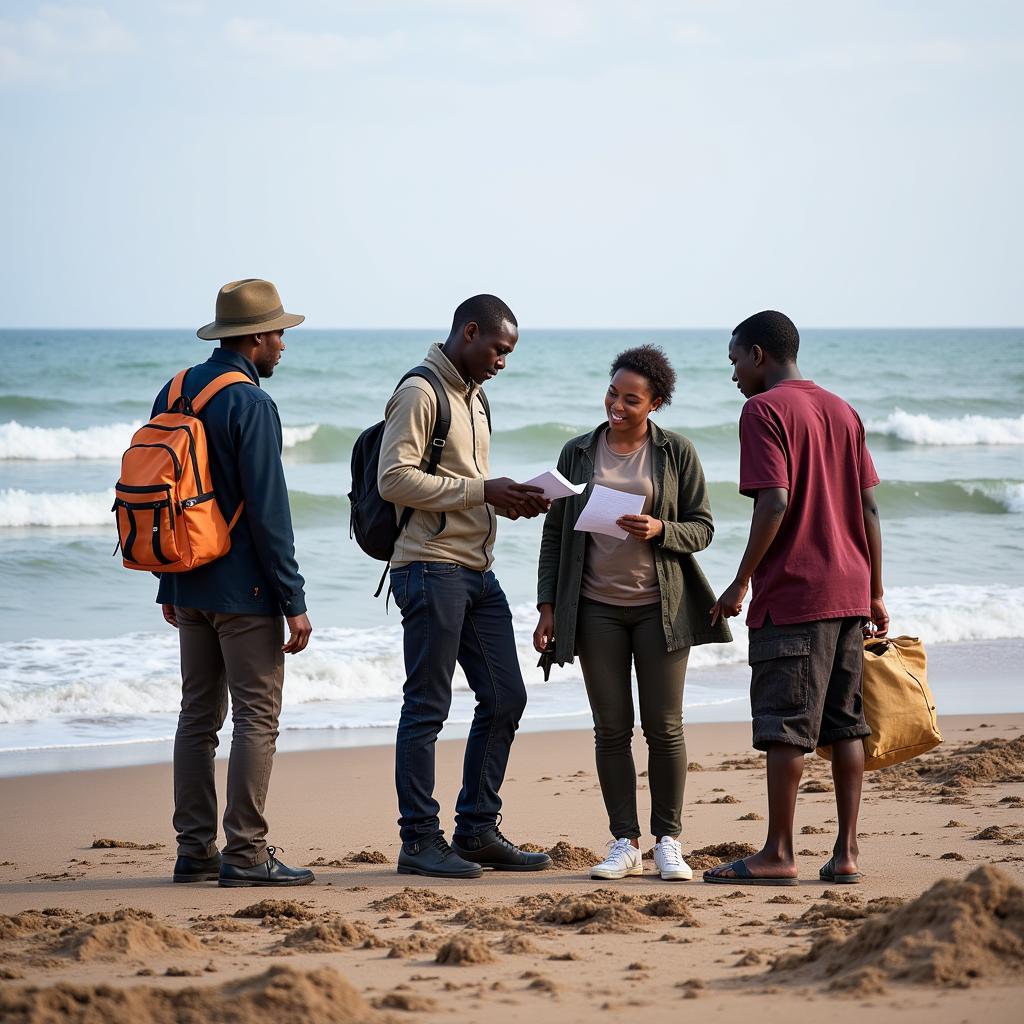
(218, 384)
(175, 391)
(442, 418)
(439, 433)
(487, 409)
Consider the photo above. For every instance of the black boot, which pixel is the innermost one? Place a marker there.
(435, 858)
(271, 872)
(197, 869)
(492, 850)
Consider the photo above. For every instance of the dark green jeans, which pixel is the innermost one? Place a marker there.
(609, 639)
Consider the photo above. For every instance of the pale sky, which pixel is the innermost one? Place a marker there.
(596, 164)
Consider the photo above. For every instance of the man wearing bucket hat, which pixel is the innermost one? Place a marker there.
(230, 613)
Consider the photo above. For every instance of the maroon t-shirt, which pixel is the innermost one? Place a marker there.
(802, 437)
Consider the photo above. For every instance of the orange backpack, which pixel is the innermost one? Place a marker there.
(167, 517)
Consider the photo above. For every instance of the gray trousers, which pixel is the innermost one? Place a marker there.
(610, 638)
(224, 654)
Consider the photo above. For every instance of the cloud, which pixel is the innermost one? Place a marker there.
(312, 51)
(47, 44)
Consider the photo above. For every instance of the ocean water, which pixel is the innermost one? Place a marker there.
(86, 660)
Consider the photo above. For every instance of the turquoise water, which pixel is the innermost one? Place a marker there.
(84, 654)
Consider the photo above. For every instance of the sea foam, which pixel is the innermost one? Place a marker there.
(24, 508)
(107, 441)
(963, 430)
(356, 675)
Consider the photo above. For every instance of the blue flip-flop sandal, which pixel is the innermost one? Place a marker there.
(828, 874)
(744, 877)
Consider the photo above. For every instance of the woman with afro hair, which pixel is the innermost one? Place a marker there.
(636, 603)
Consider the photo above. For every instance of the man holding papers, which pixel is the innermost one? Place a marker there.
(618, 585)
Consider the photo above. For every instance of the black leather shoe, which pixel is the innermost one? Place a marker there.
(492, 850)
(197, 869)
(271, 872)
(435, 858)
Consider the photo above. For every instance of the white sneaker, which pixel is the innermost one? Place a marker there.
(668, 859)
(623, 859)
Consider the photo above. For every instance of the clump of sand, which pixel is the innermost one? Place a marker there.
(606, 911)
(126, 933)
(956, 932)
(327, 936)
(415, 901)
(516, 942)
(991, 761)
(997, 832)
(465, 949)
(408, 1001)
(32, 922)
(276, 911)
(278, 996)
(816, 786)
(129, 937)
(717, 853)
(368, 857)
(572, 858)
(124, 844)
(412, 945)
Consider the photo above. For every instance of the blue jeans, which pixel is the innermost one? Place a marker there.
(451, 614)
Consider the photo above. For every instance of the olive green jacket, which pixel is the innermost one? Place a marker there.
(680, 502)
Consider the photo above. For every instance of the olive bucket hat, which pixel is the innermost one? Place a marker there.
(250, 306)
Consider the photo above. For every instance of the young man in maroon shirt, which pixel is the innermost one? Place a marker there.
(815, 558)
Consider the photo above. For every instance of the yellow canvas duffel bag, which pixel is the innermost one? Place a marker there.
(898, 704)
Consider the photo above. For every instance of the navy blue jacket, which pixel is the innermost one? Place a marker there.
(259, 575)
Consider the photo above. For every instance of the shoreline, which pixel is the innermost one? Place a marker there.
(975, 677)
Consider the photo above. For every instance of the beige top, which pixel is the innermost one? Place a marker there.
(622, 572)
(452, 522)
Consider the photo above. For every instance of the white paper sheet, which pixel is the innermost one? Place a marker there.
(604, 507)
(555, 485)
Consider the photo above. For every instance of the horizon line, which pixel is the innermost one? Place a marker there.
(548, 327)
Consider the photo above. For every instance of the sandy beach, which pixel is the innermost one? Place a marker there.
(364, 943)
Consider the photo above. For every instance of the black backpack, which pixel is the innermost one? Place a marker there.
(372, 520)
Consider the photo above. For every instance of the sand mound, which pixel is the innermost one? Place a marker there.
(124, 844)
(127, 937)
(327, 936)
(279, 996)
(415, 901)
(615, 919)
(408, 1001)
(672, 906)
(32, 922)
(368, 857)
(412, 945)
(43, 924)
(276, 910)
(988, 762)
(954, 933)
(488, 918)
(463, 950)
(572, 858)
(605, 910)
(515, 942)
(717, 853)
